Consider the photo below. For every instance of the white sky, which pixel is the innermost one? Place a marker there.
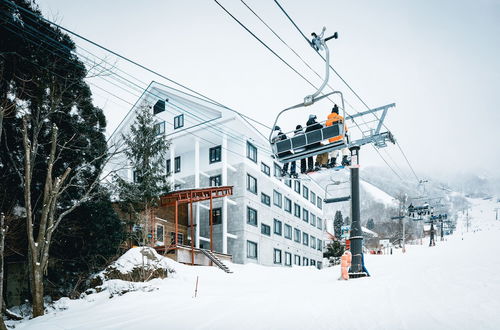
(437, 60)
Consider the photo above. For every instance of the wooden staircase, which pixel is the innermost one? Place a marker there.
(209, 254)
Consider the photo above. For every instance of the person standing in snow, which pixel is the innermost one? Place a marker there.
(334, 118)
(312, 125)
(276, 136)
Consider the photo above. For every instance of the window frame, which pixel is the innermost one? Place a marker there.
(264, 168)
(289, 210)
(305, 192)
(305, 215)
(277, 170)
(277, 224)
(159, 128)
(217, 153)
(288, 232)
(265, 199)
(215, 179)
(277, 252)
(253, 245)
(266, 232)
(250, 148)
(249, 178)
(319, 203)
(296, 186)
(162, 241)
(312, 242)
(252, 211)
(179, 121)
(297, 260)
(312, 219)
(312, 198)
(297, 235)
(217, 219)
(305, 239)
(296, 213)
(177, 164)
(279, 198)
(288, 259)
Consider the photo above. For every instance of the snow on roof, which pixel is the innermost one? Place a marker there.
(368, 231)
(378, 194)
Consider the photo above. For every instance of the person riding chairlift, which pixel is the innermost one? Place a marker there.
(334, 118)
(312, 125)
(300, 131)
(278, 135)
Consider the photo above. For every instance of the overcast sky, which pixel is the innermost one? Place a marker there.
(438, 60)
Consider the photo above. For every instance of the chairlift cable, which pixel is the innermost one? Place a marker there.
(344, 81)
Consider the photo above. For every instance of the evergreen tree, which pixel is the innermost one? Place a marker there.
(338, 221)
(54, 148)
(146, 154)
(334, 249)
(370, 224)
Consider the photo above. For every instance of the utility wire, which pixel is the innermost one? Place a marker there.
(345, 82)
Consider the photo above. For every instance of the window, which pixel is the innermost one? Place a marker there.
(277, 256)
(288, 205)
(251, 184)
(217, 216)
(297, 234)
(159, 128)
(265, 199)
(277, 199)
(180, 238)
(305, 239)
(288, 182)
(215, 181)
(296, 210)
(320, 245)
(319, 203)
(296, 187)
(251, 152)
(160, 234)
(214, 154)
(265, 229)
(313, 262)
(305, 192)
(277, 227)
(313, 220)
(288, 259)
(305, 261)
(277, 170)
(137, 177)
(313, 242)
(178, 121)
(251, 216)
(313, 198)
(319, 265)
(297, 260)
(305, 215)
(319, 224)
(265, 169)
(177, 163)
(159, 107)
(288, 231)
(169, 169)
(251, 250)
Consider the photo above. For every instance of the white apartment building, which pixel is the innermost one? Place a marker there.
(267, 220)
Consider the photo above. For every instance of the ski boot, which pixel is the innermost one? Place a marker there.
(345, 161)
(332, 162)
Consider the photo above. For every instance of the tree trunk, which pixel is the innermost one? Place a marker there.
(37, 291)
(3, 230)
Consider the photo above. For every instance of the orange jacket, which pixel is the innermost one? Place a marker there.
(335, 118)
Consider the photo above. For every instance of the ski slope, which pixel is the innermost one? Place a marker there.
(454, 285)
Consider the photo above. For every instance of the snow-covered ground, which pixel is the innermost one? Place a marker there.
(454, 285)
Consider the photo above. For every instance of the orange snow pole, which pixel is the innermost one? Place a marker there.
(345, 264)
